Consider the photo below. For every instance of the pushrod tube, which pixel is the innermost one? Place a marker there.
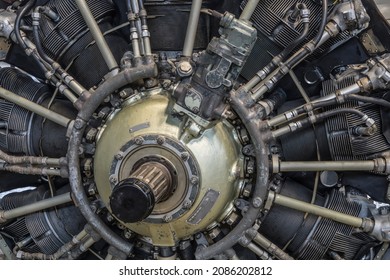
(365, 224)
(249, 9)
(97, 35)
(192, 28)
(35, 207)
(258, 251)
(309, 166)
(35, 108)
(270, 247)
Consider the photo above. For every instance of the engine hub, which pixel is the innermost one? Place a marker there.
(165, 168)
(158, 183)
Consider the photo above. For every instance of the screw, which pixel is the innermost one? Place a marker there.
(78, 124)
(123, 94)
(214, 233)
(116, 104)
(150, 83)
(127, 235)
(126, 93)
(119, 157)
(139, 140)
(250, 167)
(92, 189)
(185, 67)
(113, 180)
(91, 135)
(194, 180)
(187, 204)
(184, 156)
(166, 84)
(383, 211)
(231, 219)
(110, 218)
(160, 140)
(104, 112)
(167, 218)
(257, 201)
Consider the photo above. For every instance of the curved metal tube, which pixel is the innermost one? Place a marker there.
(324, 18)
(122, 79)
(260, 191)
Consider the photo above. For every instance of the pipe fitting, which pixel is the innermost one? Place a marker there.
(244, 241)
(381, 227)
(305, 15)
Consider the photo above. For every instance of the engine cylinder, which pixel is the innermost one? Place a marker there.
(23, 132)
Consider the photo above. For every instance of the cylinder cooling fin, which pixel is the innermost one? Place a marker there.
(23, 132)
(17, 122)
(344, 143)
(310, 237)
(69, 41)
(277, 29)
(45, 231)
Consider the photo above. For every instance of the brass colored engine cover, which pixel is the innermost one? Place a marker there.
(214, 159)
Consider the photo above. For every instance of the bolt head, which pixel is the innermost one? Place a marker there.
(214, 233)
(139, 140)
(185, 67)
(110, 218)
(113, 180)
(186, 204)
(91, 135)
(185, 156)
(160, 140)
(92, 189)
(167, 218)
(78, 124)
(257, 201)
(194, 180)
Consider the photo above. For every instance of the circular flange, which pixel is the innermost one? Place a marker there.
(170, 152)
